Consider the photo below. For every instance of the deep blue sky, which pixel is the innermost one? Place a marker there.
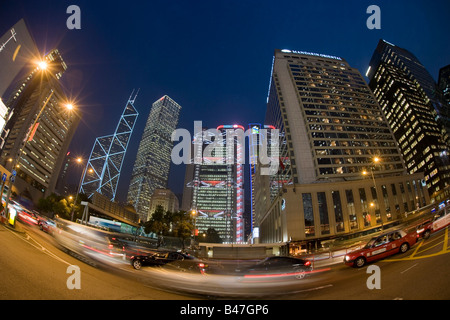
(212, 57)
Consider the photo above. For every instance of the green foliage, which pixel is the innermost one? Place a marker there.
(62, 206)
(165, 223)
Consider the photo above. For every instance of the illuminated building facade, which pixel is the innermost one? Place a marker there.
(257, 188)
(408, 97)
(333, 139)
(444, 90)
(40, 100)
(103, 169)
(388, 53)
(216, 183)
(151, 168)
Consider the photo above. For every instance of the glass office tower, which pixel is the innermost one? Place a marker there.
(215, 183)
(408, 97)
(151, 168)
(401, 58)
(104, 166)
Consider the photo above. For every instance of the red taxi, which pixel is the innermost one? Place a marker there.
(380, 247)
(27, 216)
(438, 222)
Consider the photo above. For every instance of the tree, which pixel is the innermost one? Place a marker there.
(165, 223)
(58, 205)
(157, 223)
(212, 236)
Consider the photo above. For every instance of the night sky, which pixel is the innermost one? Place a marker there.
(212, 57)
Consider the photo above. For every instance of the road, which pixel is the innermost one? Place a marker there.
(33, 267)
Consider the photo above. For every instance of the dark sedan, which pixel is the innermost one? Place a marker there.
(278, 267)
(158, 258)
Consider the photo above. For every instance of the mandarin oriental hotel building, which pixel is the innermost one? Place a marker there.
(341, 171)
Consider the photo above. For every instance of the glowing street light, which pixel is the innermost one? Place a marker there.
(194, 214)
(43, 65)
(375, 160)
(80, 161)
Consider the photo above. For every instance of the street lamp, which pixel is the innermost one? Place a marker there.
(79, 160)
(43, 65)
(194, 214)
(375, 160)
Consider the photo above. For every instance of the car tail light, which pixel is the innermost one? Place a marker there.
(202, 265)
(307, 263)
(110, 246)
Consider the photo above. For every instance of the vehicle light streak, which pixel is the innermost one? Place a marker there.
(96, 250)
(274, 275)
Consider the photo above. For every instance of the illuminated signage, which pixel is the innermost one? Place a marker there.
(256, 232)
(311, 54)
(12, 215)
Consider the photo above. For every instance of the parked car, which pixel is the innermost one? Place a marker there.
(438, 222)
(158, 258)
(380, 247)
(278, 266)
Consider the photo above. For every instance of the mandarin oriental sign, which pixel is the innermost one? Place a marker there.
(311, 54)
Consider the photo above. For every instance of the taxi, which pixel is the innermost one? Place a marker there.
(380, 247)
(439, 221)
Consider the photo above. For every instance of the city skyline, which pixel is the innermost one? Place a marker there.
(104, 55)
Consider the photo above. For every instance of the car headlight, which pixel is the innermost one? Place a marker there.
(347, 258)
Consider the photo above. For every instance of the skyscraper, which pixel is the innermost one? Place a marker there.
(40, 113)
(388, 53)
(444, 85)
(215, 180)
(340, 168)
(17, 49)
(151, 168)
(414, 110)
(103, 169)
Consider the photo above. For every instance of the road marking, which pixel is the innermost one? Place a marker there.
(40, 247)
(409, 268)
(445, 249)
(314, 289)
(418, 246)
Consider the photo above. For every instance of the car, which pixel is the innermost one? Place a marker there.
(278, 266)
(380, 247)
(27, 216)
(189, 264)
(157, 258)
(439, 221)
(47, 225)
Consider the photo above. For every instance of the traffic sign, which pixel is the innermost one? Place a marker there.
(14, 172)
(4, 177)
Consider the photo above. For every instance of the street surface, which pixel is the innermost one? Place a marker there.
(33, 267)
